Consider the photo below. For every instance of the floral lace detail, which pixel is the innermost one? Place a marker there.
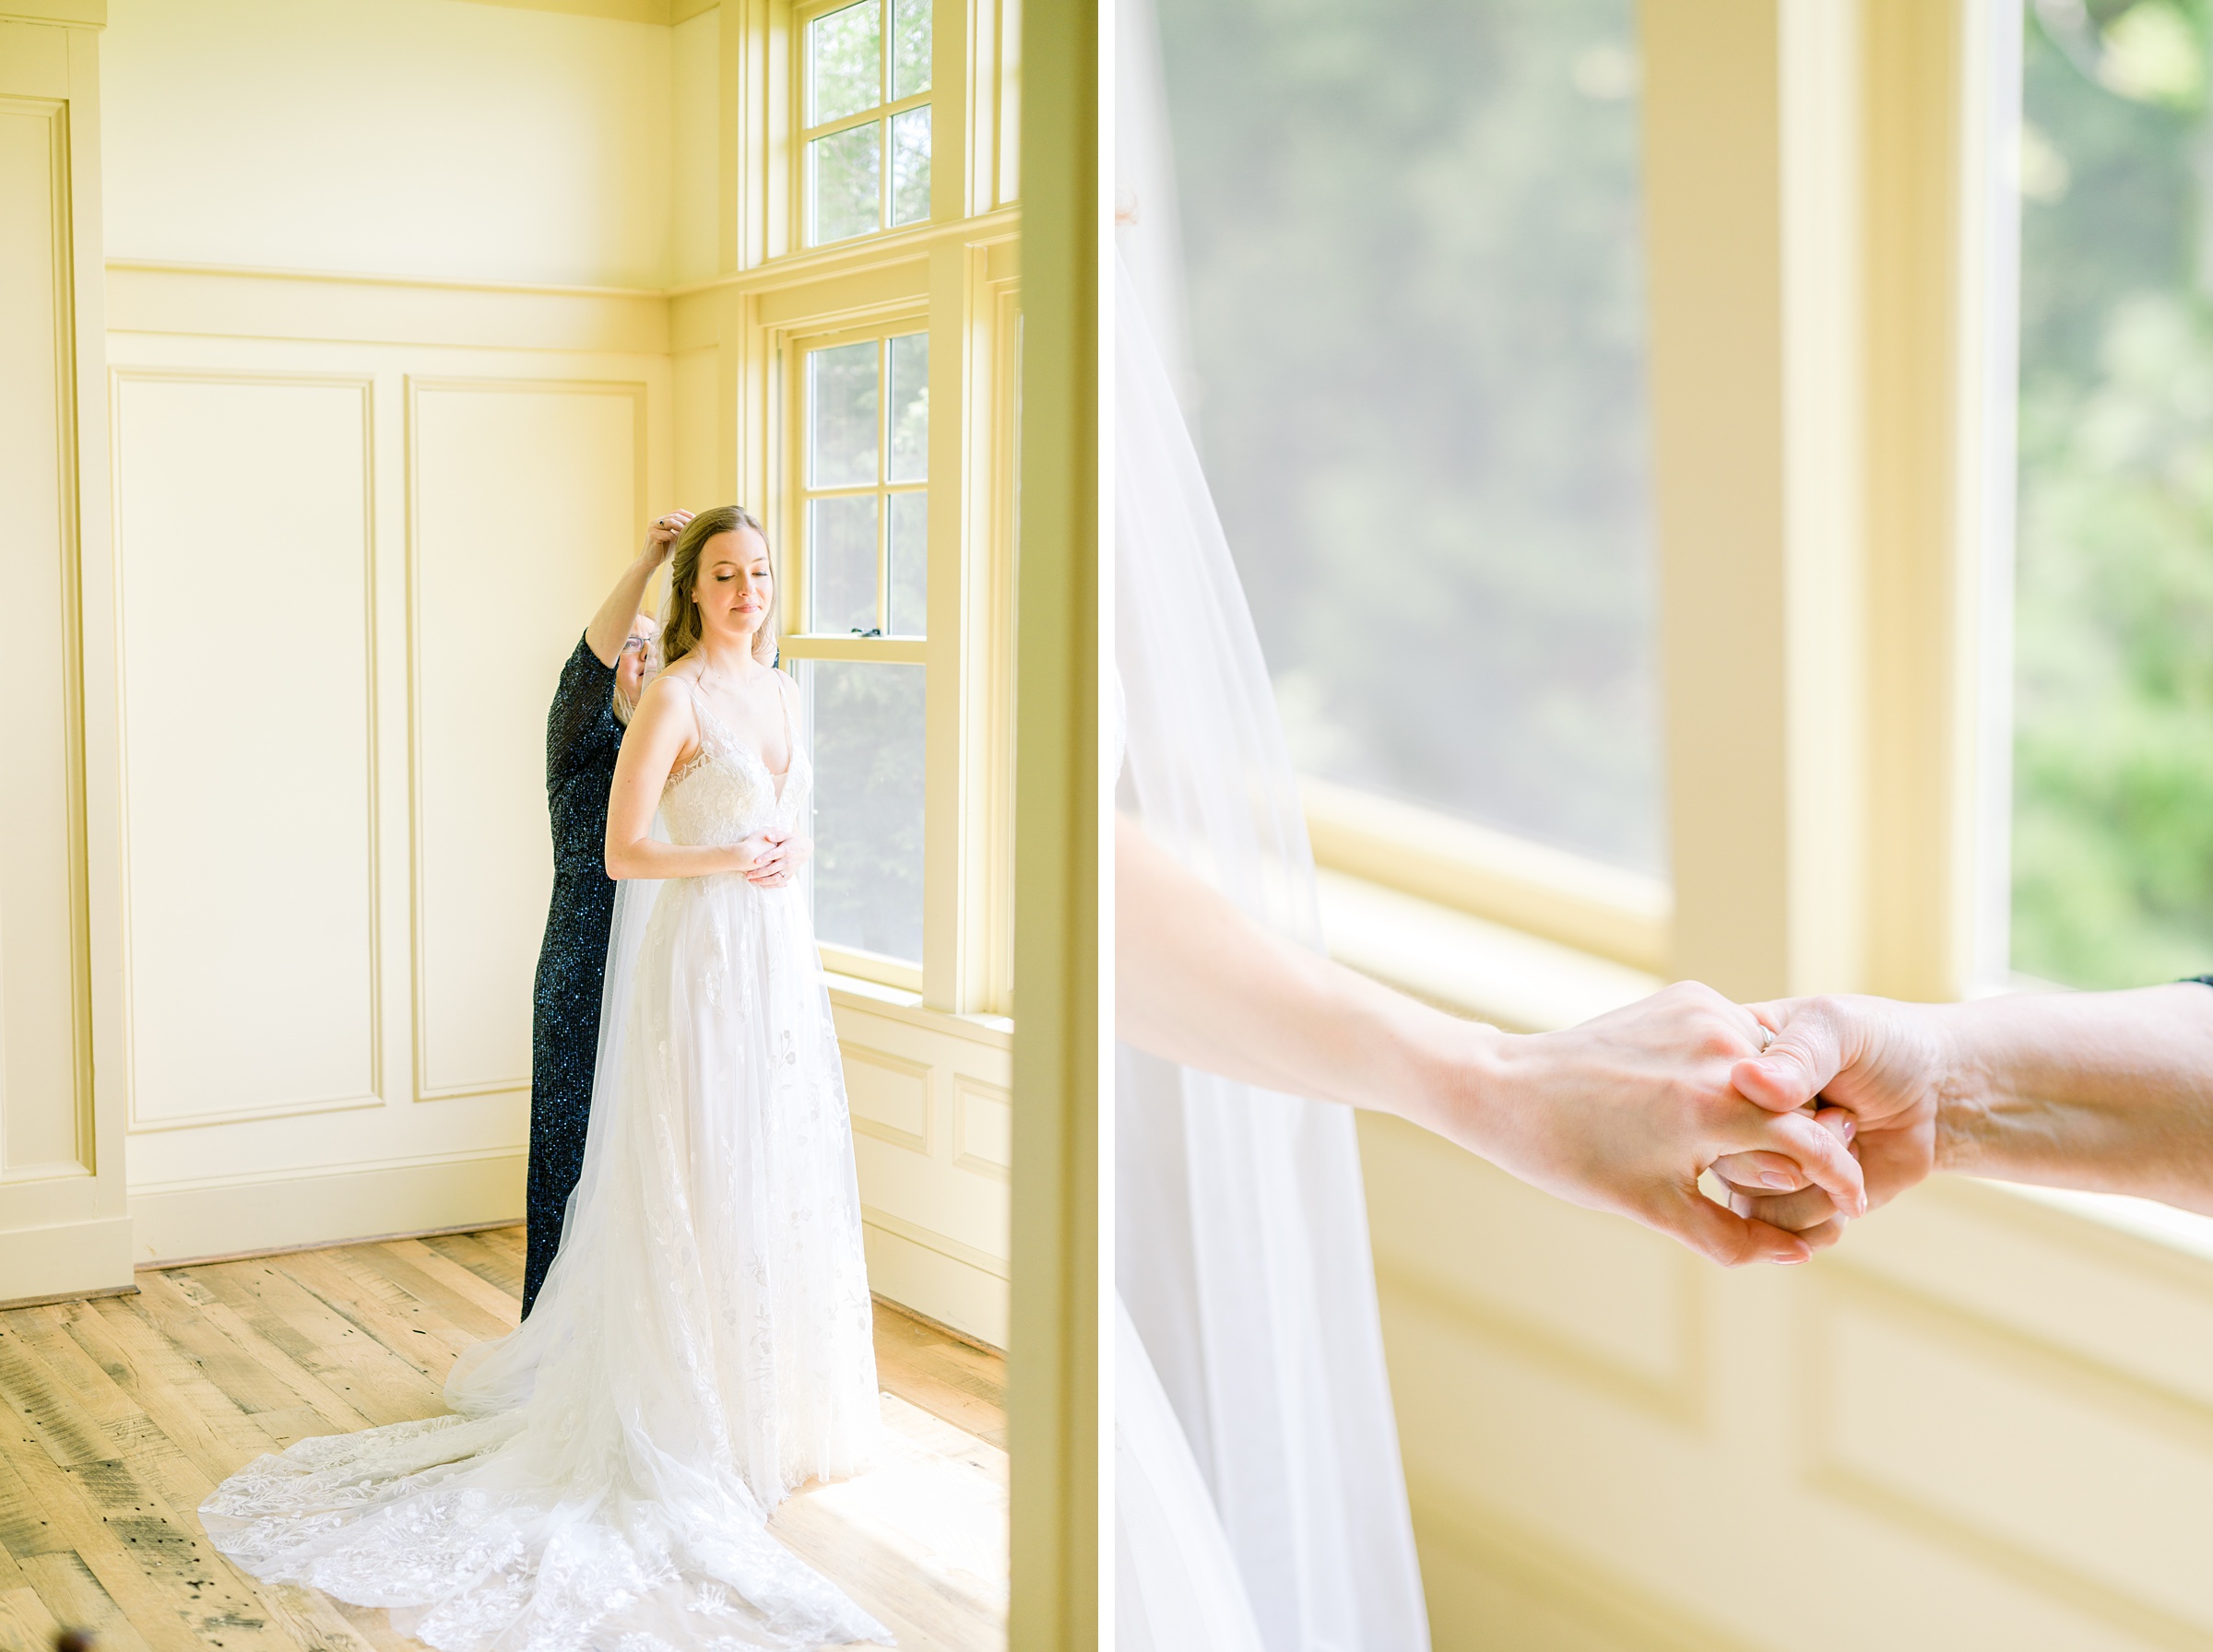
(702, 1345)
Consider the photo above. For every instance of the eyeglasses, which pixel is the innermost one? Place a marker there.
(641, 645)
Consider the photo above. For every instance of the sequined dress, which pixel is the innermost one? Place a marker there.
(582, 739)
(702, 1345)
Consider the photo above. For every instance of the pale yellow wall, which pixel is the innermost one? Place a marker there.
(421, 137)
(398, 364)
(1982, 1421)
(336, 849)
(695, 125)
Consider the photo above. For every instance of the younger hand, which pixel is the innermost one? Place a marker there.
(783, 862)
(1626, 1111)
(780, 861)
(749, 855)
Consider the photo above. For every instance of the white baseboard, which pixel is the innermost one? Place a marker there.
(325, 1207)
(956, 1294)
(68, 1260)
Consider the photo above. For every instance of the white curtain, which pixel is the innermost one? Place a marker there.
(1256, 1450)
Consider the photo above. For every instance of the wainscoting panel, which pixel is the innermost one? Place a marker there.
(45, 1069)
(249, 744)
(339, 847)
(523, 498)
(63, 1222)
(1979, 1423)
(935, 1211)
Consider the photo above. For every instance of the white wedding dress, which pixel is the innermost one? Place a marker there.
(700, 1347)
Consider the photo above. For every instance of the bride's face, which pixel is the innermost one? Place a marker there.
(734, 586)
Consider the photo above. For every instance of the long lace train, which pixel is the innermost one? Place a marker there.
(700, 1345)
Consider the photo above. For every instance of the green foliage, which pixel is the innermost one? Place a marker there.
(2114, 638)
(1414, 281)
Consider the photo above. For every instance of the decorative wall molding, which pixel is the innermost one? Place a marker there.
(1428, 1176)
(914, 1233)
(1534, 1592)
(319, 1205)
(88, 14)
(902, 1073)
(661, 12)
(418, 387)
(2164, 1425)
(119, 378)
(982, 1126)
(318, 306)
(57, 518)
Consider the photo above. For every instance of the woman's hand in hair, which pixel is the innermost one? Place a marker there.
(661, 537)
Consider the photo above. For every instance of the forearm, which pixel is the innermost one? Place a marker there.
(1199, 983)
(610, 626)
(650, 858)
(2111, 1092)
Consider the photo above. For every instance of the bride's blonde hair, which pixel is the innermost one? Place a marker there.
(681, 626)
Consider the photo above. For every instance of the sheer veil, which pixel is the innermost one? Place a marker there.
(1250, 1364)
(499, 1375)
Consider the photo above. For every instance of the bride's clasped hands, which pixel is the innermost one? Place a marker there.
(1628, 1111)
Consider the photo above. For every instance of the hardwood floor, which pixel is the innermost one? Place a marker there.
(120, 1413)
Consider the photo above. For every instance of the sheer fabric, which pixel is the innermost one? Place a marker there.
(1242, 1256)
(702, 1344)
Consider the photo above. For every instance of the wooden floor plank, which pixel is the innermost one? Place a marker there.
(460, 1319)
(332, 1349)
(942, 1375)
(25, 1623)
(195, 1415)
(118, 1416)
(496, 1265)
(488, 1298)
(130, 1557)
(73, 1595)
(172, 1305)
(365, 1301)
(288, 1356)
(47, 1410)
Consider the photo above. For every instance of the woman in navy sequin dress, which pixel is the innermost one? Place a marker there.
(584, 733)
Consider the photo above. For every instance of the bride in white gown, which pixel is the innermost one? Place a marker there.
(702, 1345)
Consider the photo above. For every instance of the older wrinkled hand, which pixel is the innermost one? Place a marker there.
(1871, 1065)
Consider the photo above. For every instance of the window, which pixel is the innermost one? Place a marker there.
(862, 513)
(1413, 249)
(864, 725)
(865, 485)
(864, 98)
(2113, 804)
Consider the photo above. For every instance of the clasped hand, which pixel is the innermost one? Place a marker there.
(771, 858)
(1626, 1112)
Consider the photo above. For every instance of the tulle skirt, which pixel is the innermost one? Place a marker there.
(702, 1347)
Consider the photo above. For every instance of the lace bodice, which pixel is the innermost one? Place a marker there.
(725, 791)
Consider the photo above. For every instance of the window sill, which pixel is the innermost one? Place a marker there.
(851, 992)
(1469, 965)
(1517, 885)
